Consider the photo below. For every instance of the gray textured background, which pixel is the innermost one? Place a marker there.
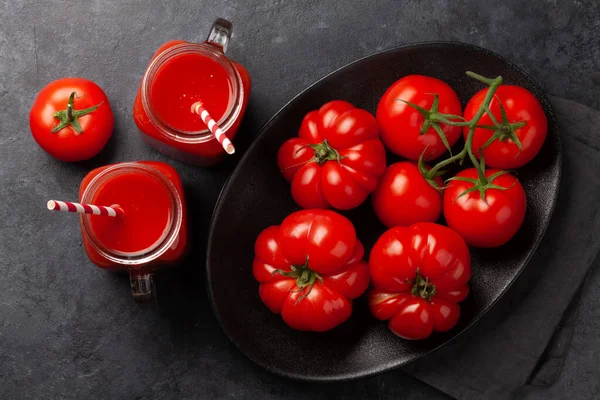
(69, 330)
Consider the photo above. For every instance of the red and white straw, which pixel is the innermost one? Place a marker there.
(197, 108)
(84, 208)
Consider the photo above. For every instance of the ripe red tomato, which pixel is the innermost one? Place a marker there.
(419, 274)
(403, 196)
(401, 123)
(519, 105)
(490, 222)
(310, 268)
(71, 119)
(337, 158)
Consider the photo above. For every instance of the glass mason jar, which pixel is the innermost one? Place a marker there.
(197, 147)
(166, 250)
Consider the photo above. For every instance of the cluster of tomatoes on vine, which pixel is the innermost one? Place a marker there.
(311, 266)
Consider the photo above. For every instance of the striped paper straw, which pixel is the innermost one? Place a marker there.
(197, 108)
(56, 205)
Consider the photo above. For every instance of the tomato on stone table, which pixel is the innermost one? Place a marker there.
(420, 274)
(71, 119)
(310, 268)
(336, 159)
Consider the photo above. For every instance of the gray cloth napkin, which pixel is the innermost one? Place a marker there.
(521, 342)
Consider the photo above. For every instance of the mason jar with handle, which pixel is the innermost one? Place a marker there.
(150, 234)
(183, 73)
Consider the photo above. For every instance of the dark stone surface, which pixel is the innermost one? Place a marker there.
(70, 330)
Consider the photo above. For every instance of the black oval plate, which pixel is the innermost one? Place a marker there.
(256, 196)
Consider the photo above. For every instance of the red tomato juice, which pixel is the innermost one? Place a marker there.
(147, 212)
(179, 75)
(184, 80)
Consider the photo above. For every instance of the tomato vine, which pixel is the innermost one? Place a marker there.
(503, 130)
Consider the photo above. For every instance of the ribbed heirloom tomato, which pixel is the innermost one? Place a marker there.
(487, 220)
(420, 274)
(408, 131)
(310, 268)
(337, 158)
(404, 197)
(520, 122)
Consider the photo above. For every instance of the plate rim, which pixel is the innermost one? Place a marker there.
(350, 376)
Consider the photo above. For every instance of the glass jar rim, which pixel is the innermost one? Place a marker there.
(164, 243)
(230, 115)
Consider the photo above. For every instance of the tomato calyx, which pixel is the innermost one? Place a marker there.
(433, 118)
(423, 288)
(69, 117)
(503, 130)
(304, 276)
(324, 152)
(481, 185)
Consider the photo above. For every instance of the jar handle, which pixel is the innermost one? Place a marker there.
(220, 33)
(142, 285)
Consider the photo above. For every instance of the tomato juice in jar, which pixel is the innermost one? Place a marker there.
(180, 74)
(151, 234)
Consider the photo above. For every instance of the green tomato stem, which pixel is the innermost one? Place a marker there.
(324, 152)
(444, 120)
(487, 81)
(446, 162)
(69, 117)
(304, 276)
(423, 288)
(471, 124)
